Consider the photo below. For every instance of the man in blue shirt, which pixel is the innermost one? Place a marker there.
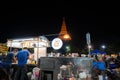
(10, 58)
(22, 57)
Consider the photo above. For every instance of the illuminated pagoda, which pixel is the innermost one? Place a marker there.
(64, 35)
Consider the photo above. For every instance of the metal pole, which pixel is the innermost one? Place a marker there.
(89, 49)
(11, 46)
(88, 42)
(37, 51)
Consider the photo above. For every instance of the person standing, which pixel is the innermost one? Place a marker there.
(10, 58)
(117, 60)
(22, 57)
(118, 57)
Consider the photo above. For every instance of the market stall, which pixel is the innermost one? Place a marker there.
(65, 68)
(39, 45)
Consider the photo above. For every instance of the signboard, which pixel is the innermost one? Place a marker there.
(57, 43)
(88, 38)
(28, 42)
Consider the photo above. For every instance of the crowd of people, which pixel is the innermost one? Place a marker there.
(103, 63)
(22, 57)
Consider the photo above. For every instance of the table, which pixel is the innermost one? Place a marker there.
(29, 68)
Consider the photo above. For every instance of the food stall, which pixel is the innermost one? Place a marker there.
(39, 45)
(65, 68)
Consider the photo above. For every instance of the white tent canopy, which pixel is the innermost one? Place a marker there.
(35, 42)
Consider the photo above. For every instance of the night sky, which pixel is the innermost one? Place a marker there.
(102, 24)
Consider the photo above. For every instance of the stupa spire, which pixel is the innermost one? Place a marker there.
(63, 27)
(64, 33)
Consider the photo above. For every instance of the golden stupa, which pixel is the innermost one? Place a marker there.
(64, 35)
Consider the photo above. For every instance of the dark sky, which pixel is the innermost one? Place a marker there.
(102, 23)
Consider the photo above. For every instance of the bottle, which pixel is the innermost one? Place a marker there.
(106, 77)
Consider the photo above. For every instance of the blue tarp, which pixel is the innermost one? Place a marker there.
(96, 51)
